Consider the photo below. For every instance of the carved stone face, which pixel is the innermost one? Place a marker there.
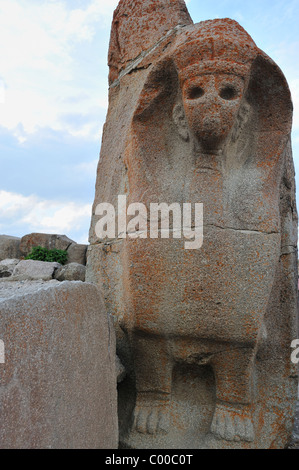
(211, 103)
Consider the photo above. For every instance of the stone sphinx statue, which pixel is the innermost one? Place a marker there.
(199, 114)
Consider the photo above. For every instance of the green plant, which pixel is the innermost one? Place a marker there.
(38, 253)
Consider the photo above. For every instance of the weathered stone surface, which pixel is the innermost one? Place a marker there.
(204, 334)
(295, 438)
(9, 247)
(77, 253)
(120, 370)
(49, 241)
(34, 270)
(71, 272)
(58, 383)
(7, 266)
(138, 25)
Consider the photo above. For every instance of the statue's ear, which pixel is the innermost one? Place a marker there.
(241, 121)
(180, 121)
(271, 113)
(269, 94)
(159, 92)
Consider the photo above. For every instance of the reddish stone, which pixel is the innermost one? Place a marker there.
(205, 334)
(139, 24)
(49, 241)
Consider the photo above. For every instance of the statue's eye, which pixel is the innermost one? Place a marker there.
(195, 92)
(228, 93)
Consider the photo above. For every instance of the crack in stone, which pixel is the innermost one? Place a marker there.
(183, 229)
(135, 62)
(244, 230)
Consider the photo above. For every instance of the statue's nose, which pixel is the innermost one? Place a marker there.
(212, 122)
(212, 101)
(212, 118)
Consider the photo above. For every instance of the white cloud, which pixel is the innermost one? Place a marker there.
(39, 63)
(39, 32)
(2, 92)
(33, 214)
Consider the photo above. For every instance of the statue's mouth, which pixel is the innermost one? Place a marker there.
(211, 124)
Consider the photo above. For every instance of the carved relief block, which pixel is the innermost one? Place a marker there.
(204, 117)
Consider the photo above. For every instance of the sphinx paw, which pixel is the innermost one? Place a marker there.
(232, 424)
(151, 418)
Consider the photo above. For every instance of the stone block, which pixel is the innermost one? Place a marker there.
(71, 272)
(7, 267)
(77, 253)
(58, 382)
(49, 241)
(34, 270)
(9, 247)
(128, 29)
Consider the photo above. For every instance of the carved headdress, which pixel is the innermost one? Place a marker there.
(223, 46)
(214, 45)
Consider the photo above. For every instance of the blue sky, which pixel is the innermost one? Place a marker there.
(53, 100)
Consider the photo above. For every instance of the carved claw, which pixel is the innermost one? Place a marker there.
(232, 425)
(151, 419)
